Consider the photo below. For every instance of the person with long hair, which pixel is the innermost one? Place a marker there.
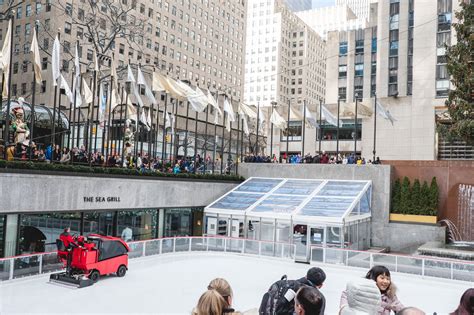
(389, 302)
(217, 300)
(466, 305)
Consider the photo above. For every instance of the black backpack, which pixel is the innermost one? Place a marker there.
(274, 301)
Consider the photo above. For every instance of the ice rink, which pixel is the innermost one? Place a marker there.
(172, 284)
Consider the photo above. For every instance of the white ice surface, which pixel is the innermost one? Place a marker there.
(172, 284)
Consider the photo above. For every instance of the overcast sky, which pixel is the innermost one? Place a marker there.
(322, 3)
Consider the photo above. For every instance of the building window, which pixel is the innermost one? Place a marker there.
(293, 132)
(342, 71)
(342, 93)
(343, 48)
(359, 70)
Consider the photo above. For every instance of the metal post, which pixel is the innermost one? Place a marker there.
(288, 131)
(258, 128)
(6, 137)
(215, 137)
(375, 125)
(91, 119)
(337, 135)
(222, 142)
(186, 133)
(303, 126)
(271, 133)
(205, 139)
(355, 125)
(237, 158)
(40, 261)
(163, 145)
(32, 112)
(320, 123)
(195, 142)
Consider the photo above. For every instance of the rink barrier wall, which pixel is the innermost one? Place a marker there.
(42, 263)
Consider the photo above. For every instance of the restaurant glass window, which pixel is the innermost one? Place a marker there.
(183, 222)
(293, 133)
(137, 225)
(3, 220)
(98, 223)
(38, 232)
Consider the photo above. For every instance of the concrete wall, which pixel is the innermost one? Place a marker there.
(384, 234)
(37, 193)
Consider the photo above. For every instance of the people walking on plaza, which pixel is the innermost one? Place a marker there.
(466, 305)
(360, 297)
(279, 298)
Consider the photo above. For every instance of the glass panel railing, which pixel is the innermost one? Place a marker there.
(358, 259)
(437, 268)
(198, 244)
(51, 263)
(167, 245)
(335, 256)
(251, 247)
(267, 249)
(388, 261)
(152, 247)
(182, 244)
(136, 249)
(409, 265)
(216, 244)
(464, 272)
(26, 266)
(317, 254)
(5, 269)
(234, 245)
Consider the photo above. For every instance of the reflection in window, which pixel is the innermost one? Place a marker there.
(142, 223)
(293, 133)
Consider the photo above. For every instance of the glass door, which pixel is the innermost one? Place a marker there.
(316, 240)
(300, 235)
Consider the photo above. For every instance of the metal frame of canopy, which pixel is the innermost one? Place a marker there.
(248, 222)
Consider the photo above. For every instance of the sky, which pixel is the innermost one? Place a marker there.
(323, 3)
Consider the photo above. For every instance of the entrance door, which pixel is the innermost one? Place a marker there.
(300, 239)
(316, 239)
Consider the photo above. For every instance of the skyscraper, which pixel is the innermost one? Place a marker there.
(298, 5)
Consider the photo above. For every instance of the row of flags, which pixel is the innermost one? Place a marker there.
(198, 98)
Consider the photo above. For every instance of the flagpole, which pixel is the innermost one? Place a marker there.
(53, 128)
(186, 132)
(375, 124)
(78, 115)
(303, 127)
(230, 132)
(32, 111)
(157, 128)
(222, 140)
(118, 144)
(271, 132)
(238, 145)
(355, 125)
(206, 137)
(195, 143)
(109, 120)
(72, 116)
(288, 131)
(163, 145)
(337, 135)
(10, 67)
(320, 124)
(99, 101)
(258, 128)
(174, 146)
(86, 136)
(124, 125)
(242, 139)
(215, 134)
(91, 117)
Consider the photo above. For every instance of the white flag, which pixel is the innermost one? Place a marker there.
(167, 121)
(96, 62)
(227, 125)
(36, 57)
(245, 109)
(277, 120)
(140, 77)
(5, 58)
(148, 118)
(150, 96)
(55, 61)
(229, 110)
(330, 117)
(65, 86)
(197, 101)
(245, 125)
(88, 96)
(156, 84)
(310, 119)
(385, 113)
(136, 93)
(130, 77)
(212, 101)
(143, 119)
(76, 87)
(102, 105)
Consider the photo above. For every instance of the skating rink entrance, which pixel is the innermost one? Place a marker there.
(172, 283)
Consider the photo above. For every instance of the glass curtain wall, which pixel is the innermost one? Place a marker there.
(137, 225)
(3, 220)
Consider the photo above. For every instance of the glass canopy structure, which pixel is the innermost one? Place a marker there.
(304, 211)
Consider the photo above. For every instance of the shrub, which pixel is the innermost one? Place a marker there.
(434, 197)
(425, 199)
(416, 197)
(405, 196)
(396, 191)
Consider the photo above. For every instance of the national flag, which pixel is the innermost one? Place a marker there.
(55, 61)
(36, 58)
(385, 113)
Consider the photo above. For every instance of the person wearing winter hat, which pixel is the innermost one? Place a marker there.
(360, 297)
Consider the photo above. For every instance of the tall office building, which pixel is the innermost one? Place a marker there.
(404, 65)
(202, 42)
(298, 5)
(285, 62)
(359, 7)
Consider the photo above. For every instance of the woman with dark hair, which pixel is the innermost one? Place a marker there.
(466, 305)
(390, 302)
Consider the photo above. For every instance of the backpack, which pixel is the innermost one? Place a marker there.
(274, 301)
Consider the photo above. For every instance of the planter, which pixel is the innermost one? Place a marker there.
(412, 218)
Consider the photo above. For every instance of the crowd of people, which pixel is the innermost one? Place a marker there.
(317, 158)
(374, 294)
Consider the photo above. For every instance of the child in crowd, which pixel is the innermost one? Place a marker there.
(390, 302)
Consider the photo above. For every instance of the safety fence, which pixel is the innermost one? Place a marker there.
(34, 264)
(409, 264)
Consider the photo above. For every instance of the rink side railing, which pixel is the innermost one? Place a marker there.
(34, 264)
